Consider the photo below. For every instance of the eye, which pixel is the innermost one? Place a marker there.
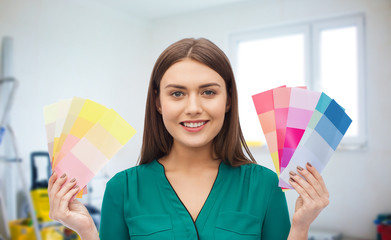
(177, 94)
(209, 92)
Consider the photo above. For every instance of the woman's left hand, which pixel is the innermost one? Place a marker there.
(314, 196)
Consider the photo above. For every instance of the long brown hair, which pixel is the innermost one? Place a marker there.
(228, 143)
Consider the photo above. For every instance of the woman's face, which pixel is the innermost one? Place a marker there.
(193, 103)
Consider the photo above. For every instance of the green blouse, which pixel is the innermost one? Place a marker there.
(245, 203)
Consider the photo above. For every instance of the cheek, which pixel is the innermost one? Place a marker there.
(169, 112)
(217, 109)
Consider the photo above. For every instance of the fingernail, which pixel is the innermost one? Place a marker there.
(77, 186)
(309, 164)
(292, 173)
(291, 179)
(73, 180)
(300, 168)
(63, 175)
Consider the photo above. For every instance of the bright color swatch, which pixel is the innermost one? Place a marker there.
(299, 113)
(264, 106)
(307, 126)
(281, 97)
(90, 136)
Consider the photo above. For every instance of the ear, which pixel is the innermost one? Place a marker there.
(228, 105)
(157, 103)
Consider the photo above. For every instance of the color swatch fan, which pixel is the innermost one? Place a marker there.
(82, 137)
(300, 126)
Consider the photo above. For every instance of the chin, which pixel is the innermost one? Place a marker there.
(195, 144)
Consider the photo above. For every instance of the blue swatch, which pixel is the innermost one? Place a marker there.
(323, 103)
(338, 117)
(328, 131)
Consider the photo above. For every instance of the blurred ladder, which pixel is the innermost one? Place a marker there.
(5, 127)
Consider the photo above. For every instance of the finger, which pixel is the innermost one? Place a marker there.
(55, 203)
(59, 182)
(317, 175)
(66, 187)
(56, 183)
(311, 180)
(305, 185)
(56, 186)
(52, 179)
(300, 190)
(310, 206)
(67, 197)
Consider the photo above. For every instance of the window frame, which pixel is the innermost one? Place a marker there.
(312, 31)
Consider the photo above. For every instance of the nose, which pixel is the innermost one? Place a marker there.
(193, 105)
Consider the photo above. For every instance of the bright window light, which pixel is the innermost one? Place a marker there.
(264, 64)
(338, 70)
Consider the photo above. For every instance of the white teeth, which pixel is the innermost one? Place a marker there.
(194, 125)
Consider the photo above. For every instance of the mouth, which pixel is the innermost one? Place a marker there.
(193, 124)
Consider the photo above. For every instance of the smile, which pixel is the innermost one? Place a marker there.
(193, 124)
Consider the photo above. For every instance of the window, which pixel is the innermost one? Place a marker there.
(325, 55)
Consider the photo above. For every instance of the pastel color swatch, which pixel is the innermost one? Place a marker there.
(88, 116)
(300, 126)
(91, 135)
(264, 106)
(50, 126)
(61, 114)
(321, 142)
(74, 110)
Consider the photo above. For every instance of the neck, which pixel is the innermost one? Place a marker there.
(189, 158)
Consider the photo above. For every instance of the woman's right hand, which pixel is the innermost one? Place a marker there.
(72, 214)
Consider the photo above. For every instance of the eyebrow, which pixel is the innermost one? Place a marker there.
(202, 86)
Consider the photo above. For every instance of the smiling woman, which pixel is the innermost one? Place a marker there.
(193, 97)
(186, 67)
(194, 180)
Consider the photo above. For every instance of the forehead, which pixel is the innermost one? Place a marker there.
(190, 73)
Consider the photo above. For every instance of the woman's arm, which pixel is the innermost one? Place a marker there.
(72, 214)
(314, 197)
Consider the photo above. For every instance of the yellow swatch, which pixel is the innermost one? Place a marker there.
(117, 126)
(276, 162)
(92, 111)
(81, 127)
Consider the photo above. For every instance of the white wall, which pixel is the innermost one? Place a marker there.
(72, 48)
(358, 181)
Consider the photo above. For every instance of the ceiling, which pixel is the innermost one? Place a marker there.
(152, 9)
